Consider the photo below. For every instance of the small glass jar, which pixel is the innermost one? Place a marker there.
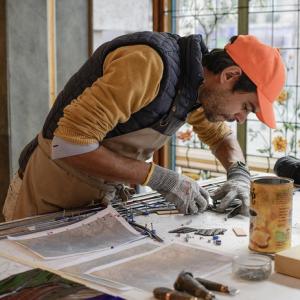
(254, 267)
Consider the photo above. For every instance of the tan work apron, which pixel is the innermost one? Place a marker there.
(52, 185)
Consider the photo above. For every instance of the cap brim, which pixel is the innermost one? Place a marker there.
(266, 113)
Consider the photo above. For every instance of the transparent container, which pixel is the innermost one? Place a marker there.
(254, 267)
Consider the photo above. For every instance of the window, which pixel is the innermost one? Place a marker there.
(274, 22)
(112, 18)
(277, 23)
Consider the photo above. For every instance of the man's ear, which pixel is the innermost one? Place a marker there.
(230, 74)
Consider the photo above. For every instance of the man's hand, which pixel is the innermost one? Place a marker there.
(184, 192)
(236, 187)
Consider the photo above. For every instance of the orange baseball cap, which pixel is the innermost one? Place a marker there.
(264, 66)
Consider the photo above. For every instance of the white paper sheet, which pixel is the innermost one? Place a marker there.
(112, 255)
(160, 267)
(104, 230)
(107, 257)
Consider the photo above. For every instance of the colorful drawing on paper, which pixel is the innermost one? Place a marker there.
(39, 284)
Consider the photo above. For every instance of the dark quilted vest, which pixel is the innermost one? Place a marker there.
(178, 88)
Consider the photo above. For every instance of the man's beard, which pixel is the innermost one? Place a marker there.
(209, 104)
(212, 102)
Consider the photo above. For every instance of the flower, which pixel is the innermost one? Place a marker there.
(282, 97)
(185, 135)
(279, 143)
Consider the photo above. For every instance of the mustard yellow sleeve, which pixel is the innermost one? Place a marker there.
(130, 81)
(208, 132)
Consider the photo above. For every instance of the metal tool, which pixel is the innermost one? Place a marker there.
(210, 231)
(185, 282)
(232, 210)
(50, 224)
(145, 230)
(205, 232)
(235, 206)
(163, 293)
(44, 222)
(142, 204)
(183, 229)
(218, 287)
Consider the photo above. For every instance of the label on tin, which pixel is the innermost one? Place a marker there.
(270, 214)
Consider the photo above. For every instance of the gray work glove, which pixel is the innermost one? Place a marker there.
(184, 192)
(110, 193)
(237, 187)
(113, 191)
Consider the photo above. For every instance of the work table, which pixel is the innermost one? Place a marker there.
(277, 286)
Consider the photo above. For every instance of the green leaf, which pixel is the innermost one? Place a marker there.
(289, 126)
(266, 150)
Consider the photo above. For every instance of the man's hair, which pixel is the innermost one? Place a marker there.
(218, 59)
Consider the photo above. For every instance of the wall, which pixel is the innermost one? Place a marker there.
(28, 78)
(71, 38)
(27, 71)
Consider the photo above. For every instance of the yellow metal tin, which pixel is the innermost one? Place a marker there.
(271, 214)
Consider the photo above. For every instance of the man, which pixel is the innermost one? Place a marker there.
(126, 101)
